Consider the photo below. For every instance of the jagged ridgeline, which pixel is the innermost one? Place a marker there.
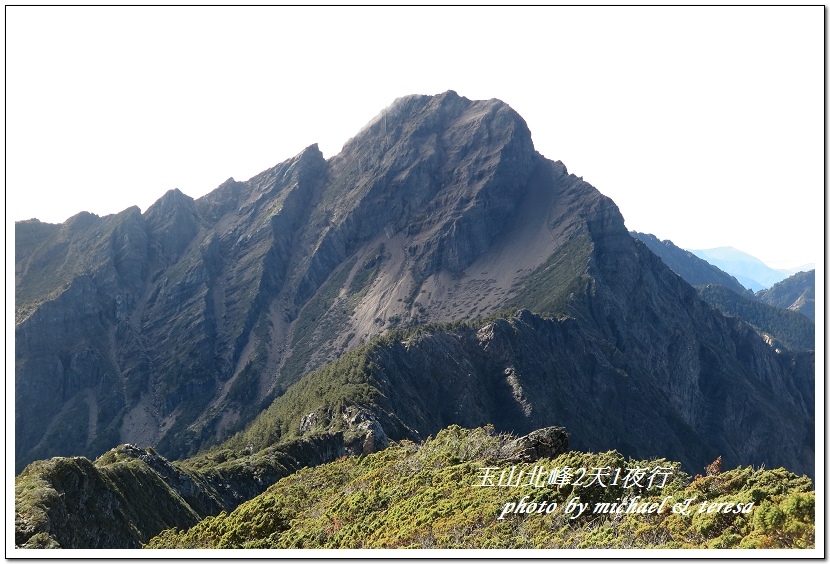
(437, 271)
(129, 494)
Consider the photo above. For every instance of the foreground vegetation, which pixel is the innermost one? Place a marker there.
(429, 496)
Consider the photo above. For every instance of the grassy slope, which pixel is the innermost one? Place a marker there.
(423, 496)
(72, 502)
(128, 495)
(548, 289)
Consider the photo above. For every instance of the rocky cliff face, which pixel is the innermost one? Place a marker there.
(176, 327)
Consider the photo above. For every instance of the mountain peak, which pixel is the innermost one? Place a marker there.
(421, 115)
(186, 324)
(310, 150)
(170, 200)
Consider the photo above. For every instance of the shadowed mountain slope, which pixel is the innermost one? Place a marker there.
(796, 293)
(700, 387)
(691, 268)
(763, 310)
(175, 326)
(782, 328)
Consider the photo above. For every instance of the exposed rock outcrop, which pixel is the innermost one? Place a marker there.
(549, 442)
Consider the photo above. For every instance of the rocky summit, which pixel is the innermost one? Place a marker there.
(451, 273)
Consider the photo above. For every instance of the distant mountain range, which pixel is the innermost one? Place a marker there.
(438, 271)
(803, 268)
(750, 271)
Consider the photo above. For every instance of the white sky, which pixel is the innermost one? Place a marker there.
(705, 125)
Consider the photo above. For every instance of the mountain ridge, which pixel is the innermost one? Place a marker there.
(762, 310)
(187, 321)
(694, 270)
(796, 293)
(178, 504)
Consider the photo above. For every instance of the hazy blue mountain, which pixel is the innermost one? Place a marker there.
(803, 268)
(750, 271)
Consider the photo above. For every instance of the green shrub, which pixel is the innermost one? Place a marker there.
(425, 496)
